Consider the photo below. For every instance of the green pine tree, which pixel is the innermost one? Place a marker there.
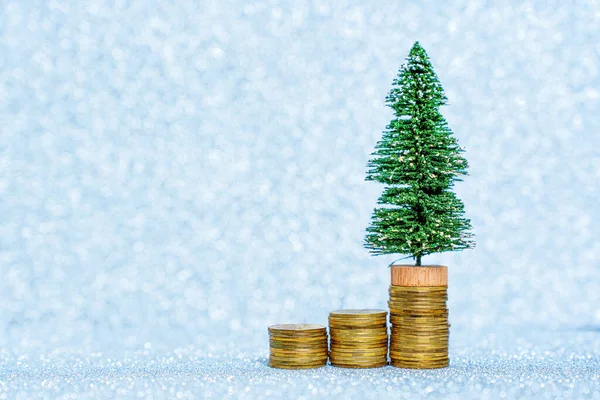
(419, 160)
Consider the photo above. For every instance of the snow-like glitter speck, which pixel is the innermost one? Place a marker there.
(177, 176)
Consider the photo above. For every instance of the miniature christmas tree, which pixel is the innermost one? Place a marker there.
(419, 160)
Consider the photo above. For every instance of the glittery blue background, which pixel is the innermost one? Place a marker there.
(175, 176)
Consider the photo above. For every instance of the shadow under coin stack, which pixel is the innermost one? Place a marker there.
(297, 346)
(419, 318)
(358, 338)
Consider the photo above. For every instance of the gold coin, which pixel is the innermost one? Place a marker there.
(298, 364)
(420, 321)
(358, 333)
(297, 330)
(358, 318)
(435, 296)
(311, 353)
(299, 342)
(421, 333)
(361, 345)
(357, 321)
(431, 356)
(347, 350)
(420, 357)
(296, 327)
(438, 296)
(300, 339)
(357, 360)
(358, 313)
(418, 352)
(359, 339)
(407, 314)
(412, 340)
(396, 308)
(422, 326)
(419, 362)
(400, 337)
(420, 329)
(357, 356)
(418, 347)
(357, 325)
(399, 308)
(297, 348)
(418, 289)
(296, 345)
(320, 364)
(297, 352)
(371, 364)
(303, 338)
(294, 353)
(370, 347)
(359, 364)
(337, 349)
(419, 365)
(297, 360)
(381, 345)
(365, 362)
(357, 353)
(367, 366)
(358, 329)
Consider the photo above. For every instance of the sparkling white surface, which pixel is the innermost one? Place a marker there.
(175, 176)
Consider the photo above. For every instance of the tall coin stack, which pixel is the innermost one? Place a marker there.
(297, 346)
(358, 338)
(420, 329)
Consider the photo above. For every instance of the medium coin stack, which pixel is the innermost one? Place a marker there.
(420, 329)
(297, 346)
(358, 338)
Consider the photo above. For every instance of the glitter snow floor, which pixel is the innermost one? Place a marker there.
(558, 364)
(175, 176)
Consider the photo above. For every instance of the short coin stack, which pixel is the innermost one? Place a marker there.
(420, 329)
(358, 338)
(297, 346)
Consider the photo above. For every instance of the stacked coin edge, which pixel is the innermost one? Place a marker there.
(297, 346)
(358, 338)
(419, 327)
